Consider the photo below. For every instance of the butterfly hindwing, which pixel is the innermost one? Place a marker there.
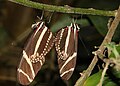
(39, 44)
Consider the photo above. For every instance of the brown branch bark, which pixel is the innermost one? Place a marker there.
(99, 52)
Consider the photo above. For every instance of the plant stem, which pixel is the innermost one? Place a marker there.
(87, 73)
(64, 9)
(104, 72)
(100, 51)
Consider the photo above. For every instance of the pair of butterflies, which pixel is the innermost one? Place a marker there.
(40, 43)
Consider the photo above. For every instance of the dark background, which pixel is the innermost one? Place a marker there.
(15, 26)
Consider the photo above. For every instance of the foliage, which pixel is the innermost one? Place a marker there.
(94, 79)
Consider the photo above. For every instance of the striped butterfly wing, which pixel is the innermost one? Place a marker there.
(39, 44)
(66, 46)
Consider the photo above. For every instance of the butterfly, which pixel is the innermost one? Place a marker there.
(66, 42)
(33, 56)
(40, 43)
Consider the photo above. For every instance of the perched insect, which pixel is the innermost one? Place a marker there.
(66, 46)
(39, 44)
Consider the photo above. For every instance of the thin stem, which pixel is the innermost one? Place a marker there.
(87, 73)
(100, 51)
(103, 73)
(111, 30)
(64, 9)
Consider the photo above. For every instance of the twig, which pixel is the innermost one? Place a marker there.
(111, 30)
(64, 9)
(87, 73)
(103, 73)
(99, 52)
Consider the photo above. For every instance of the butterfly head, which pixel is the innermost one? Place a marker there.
(36, 25)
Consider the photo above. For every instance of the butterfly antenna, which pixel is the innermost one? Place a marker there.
(84, 45)
(42, 15)
(40, 18)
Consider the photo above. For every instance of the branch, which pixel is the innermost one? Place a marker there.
(104, 72)
(64, 9)
(100, 51)
(87, 73)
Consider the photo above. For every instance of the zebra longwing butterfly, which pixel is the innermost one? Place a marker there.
(66, 46)
(39, 44)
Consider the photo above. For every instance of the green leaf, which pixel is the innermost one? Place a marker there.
(63, 21)
(114, 55)
(83, 22)
(114, 50)
(94, 79)
(66, 20)
(116, 36)
(100, 23)
(116, 73)
(108, 82)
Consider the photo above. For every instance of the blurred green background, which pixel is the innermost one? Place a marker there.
(15, 26)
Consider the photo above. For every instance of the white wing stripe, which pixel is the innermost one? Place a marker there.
(40, 39)
(41, 63)
(67, 39)
(29, 62)
(72, 69)
(68, 60)
(75, 32)
(38, 28)
(21, 71)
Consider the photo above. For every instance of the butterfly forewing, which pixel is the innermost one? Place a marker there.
(39, 44)
(66, 47)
